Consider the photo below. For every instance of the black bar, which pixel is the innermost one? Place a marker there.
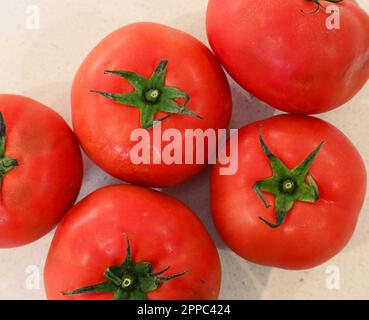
(185, 309)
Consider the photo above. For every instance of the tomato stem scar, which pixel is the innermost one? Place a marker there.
(319, 5)
(129, 281)
(288, 186)
(151, 96)
(6, 163)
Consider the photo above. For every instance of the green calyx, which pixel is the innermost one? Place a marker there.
(6, 163)
(129, 281)
(151, 96)
(319, 5)
(287, 185)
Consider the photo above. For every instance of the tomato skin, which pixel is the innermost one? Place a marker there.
(287, 58)
(103, 127)
(161, 229)
(36, 194)
(312, 232)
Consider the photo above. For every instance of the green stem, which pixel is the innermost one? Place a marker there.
(129, 281)
(6, 163)
(151, 96)
(288, 186)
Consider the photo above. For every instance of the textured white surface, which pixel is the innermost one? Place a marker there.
(41, 64)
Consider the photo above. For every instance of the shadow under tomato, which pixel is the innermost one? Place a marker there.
(247, 108)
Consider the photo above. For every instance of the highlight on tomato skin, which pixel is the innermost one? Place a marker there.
(140, 75)
(284, 54)
(126, 242)
(40, 170)
(268, 214)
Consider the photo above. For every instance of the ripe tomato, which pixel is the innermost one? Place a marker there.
(40, 168)
(286, 56)
(313, 208)
(188, 83)
(162, 233)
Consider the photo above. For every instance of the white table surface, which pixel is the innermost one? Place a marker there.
(41, 63)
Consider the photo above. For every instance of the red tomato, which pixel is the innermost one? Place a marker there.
(188, 70)
(289, 58)
(45, 172)
(162, 232)
(326, 198)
